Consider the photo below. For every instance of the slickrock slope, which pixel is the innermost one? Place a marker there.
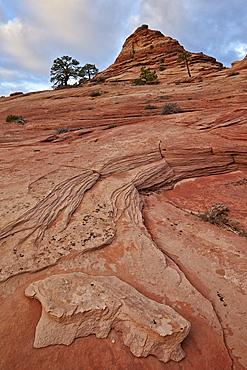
(104, 209)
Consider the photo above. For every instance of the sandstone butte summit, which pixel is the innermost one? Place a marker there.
(123, 230)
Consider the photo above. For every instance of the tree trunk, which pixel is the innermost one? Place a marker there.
(187, 65)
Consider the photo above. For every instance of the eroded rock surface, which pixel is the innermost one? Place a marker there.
(77, 305)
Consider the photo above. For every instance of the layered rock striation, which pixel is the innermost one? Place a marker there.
(150, 48)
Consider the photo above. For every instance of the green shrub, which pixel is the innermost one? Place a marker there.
(171, 108)
(175, 50)
(146, 77)
(217, 215)
(233, 74)
(110, 126)
(162, 60)
(62, 130)
(101, 79)
(161, 68)
(95, 93)
(149, 106)
(138, 81)
(12, 117)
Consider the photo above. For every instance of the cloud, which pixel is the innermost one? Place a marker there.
(17, 41)
(241, 49)
(41, 31)
(215, 27)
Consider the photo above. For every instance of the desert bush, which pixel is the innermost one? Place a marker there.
(95, 93)
(100, 79)
(150, 106)
(62, 130)
(110, 126)
(15, 119)
(217, 215)
(161, 68)
(171, 108)
(146, 77)
(12, 117)
(232, 74)
(138, 81)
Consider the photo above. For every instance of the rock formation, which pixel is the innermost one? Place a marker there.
(149, 48)
(77, 305)
(107, 191)
(240, 64)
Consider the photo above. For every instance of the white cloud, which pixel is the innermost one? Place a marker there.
(40, 31)
(241, 49)
(200, 25)
(17, 42)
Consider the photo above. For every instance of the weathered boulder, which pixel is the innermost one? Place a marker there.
(77, 305)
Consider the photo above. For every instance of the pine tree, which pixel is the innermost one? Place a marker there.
(63, 69)
(186, 58)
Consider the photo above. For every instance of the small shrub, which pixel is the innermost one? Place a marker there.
(138, 81)
(233, 74)
(159, 33)
(110, 126)
(171, 108)
(16, 119)
(149, 106)
(175, 50)
(146, 77)
(217, 215)
(162, 60)
(12, 117)
(95, 93)
(62, 130)
(161, 68)
(151, 46)
(101, 79)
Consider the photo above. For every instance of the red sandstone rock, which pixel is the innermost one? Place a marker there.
(113, 196)
(149, 48)
(77, 305)
(240, 64)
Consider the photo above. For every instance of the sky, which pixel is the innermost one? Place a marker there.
(35, 32)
